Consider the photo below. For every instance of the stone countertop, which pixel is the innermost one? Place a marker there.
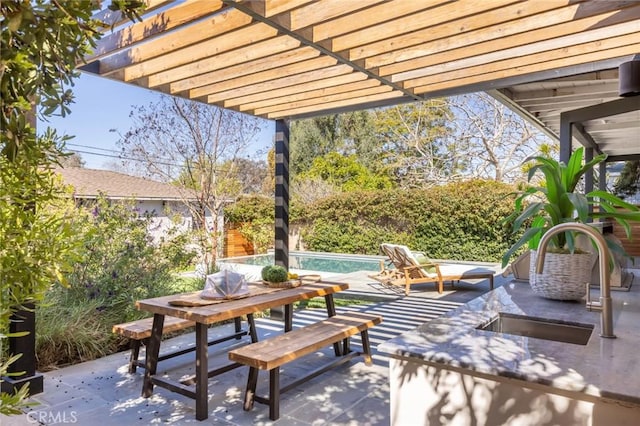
(603, 368)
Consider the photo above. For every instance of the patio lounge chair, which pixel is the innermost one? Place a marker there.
(409, 269)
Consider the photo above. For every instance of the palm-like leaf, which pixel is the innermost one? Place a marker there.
(560, 203)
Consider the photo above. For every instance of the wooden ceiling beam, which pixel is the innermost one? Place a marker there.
(228, 42)
(176, 41)
(247, 66)
(324, 99)
(596, 88)
(157, 24)
(564, 100)
(327, 91)
(552, 45)
(573, 55)
(244, 55)
(383, 37)
(291, 90)
(374, 15)
(291, 80)
(268, 8)
(356, 66)
(227, 82)
(337, 104)
(499, 35)
(320, 12)
(554, 106)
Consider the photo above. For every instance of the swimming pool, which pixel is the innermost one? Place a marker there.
(325, 263)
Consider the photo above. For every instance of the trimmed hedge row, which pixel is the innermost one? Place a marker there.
(461, 221)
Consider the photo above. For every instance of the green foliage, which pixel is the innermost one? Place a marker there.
(456, 221)
(346, 173)
(255, 217)
(41, 43)
(274, 273)
(121, 263)
(539, 208)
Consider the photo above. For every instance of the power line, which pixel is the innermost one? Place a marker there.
(120, 157)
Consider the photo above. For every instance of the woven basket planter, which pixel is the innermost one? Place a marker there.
(565, 276)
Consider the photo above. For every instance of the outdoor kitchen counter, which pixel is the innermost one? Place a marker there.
(603, 369)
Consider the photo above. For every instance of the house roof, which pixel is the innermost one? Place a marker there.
(90, 183)
(288, 59)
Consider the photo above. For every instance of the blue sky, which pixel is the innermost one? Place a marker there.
(102, 104)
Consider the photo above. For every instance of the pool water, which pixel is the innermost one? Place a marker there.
(321, 262)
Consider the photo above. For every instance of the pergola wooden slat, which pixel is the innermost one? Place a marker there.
(258, 56)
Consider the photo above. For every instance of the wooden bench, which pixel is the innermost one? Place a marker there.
(139, 331)
(272, 353)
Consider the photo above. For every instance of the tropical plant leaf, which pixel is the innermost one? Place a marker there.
(529, 233)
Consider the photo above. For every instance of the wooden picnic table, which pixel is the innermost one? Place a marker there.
(259, 299)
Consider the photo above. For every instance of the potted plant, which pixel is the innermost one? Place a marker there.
(277, 276)
(539, 208)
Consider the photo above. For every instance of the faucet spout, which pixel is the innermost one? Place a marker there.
(605, 303)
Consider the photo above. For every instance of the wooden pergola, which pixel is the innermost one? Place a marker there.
(555, 62)
(290, 59)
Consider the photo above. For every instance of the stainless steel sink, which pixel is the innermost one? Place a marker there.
(539, 328)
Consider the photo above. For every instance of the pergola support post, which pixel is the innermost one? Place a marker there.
(281, 201)
(24, 367)
(23, 320)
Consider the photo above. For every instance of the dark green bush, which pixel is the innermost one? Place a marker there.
(460, 221)
(121, 264)
(274, 273)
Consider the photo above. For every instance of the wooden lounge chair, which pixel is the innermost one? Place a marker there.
(411, 270)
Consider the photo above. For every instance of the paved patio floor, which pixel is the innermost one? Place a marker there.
(101, 392)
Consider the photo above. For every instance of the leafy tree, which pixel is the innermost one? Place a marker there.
(346, 173)
(201, 147)
(348, 134)
(37, 67)
(413, 143)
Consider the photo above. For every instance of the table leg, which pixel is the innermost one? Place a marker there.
(288, 317)
(238, 324)
(202, 372)
(253, 333)
(151, 357)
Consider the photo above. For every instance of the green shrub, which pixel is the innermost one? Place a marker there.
(460, 221)
(274, 273)
(120, 264)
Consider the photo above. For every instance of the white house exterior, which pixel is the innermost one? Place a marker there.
(163, 202)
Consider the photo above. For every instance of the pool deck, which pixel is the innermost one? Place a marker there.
(101, 392)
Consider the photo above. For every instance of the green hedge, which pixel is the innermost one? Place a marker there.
(461, 221)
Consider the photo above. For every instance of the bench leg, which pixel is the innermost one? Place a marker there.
(366, 347)
(250, 393)
(151, 357)
(491, 282)
(135, 353)
(274, 393)
(331, 311)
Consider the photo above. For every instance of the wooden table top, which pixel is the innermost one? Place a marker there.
(259, 299)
